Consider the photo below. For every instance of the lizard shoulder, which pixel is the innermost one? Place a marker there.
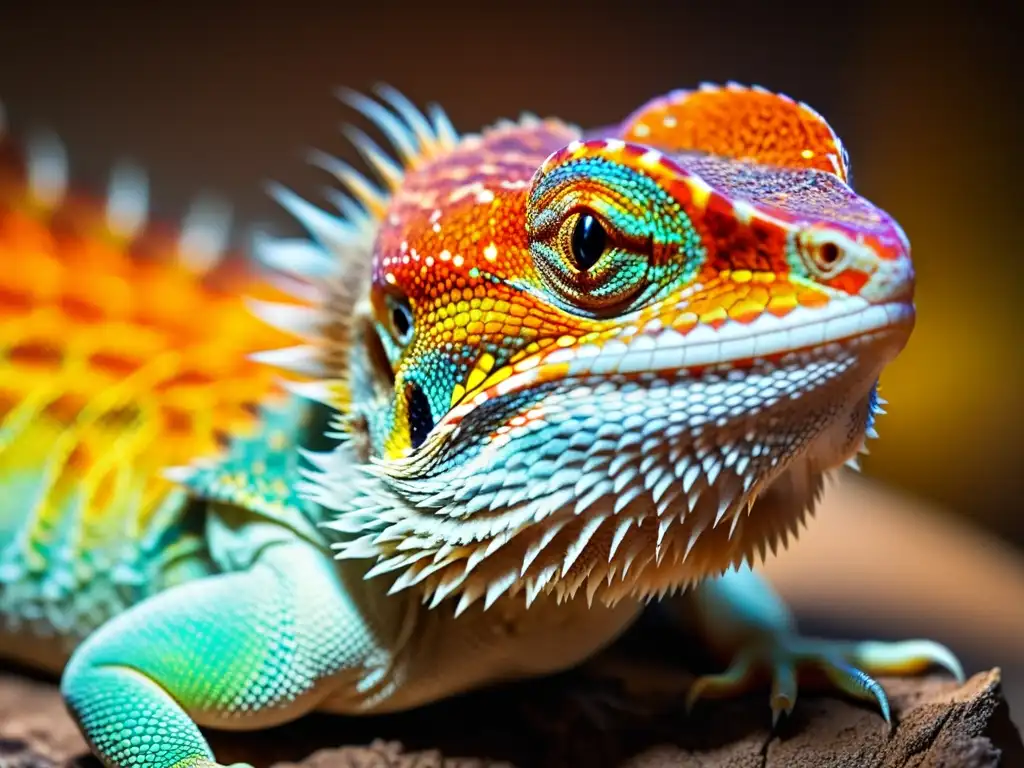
(252, 490)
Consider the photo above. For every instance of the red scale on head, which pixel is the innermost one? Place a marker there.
(756, 245)
(742, 123)
(780, 139)
(754, 172)
(460, 204)
(452, 240)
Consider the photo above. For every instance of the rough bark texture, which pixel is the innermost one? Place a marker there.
(617, 712)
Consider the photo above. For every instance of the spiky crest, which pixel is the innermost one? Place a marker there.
(331, 271)
(113, 331)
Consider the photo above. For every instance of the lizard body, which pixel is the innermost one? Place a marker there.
(542, 377)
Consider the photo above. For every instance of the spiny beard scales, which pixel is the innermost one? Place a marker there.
(617, 488)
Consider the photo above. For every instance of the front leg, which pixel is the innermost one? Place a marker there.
(237, 650)
(743, 619)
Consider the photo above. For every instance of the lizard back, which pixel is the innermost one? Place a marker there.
(123, 352)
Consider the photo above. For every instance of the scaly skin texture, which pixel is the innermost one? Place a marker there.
(544, 376)
(117, 360)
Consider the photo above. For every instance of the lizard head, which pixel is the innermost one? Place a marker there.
(618, 363)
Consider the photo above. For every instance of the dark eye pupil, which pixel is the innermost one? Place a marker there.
(588, 242)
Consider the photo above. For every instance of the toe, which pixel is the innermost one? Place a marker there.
(731, 682)
(784, 685)
(905, 657)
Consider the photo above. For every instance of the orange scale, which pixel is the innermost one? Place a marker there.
(25, 229)
(36, 354)
(715, 317)
(781, 305)
(746, 311)
(758, 294)
(850, 281)
(812, 299)
(783, 288)
(703, 304)
(531, 321)
(109, 295)
(43, 279)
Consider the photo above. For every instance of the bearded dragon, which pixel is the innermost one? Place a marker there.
(531, 380)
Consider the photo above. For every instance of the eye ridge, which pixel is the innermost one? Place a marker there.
(589, 241)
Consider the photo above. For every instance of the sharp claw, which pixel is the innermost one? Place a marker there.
(942, 656)
(876, 689)
(784, 687)
(857, 683)
(781, 706)
(694, 694)
(849, 665)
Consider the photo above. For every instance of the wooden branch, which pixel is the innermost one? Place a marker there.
(617, 712)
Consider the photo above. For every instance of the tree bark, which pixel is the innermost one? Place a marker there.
(617, 712)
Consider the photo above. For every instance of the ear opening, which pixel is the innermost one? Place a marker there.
(376, 356)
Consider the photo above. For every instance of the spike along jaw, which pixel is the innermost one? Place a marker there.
(616, 373)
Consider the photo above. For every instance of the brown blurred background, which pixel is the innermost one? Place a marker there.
(224, 97)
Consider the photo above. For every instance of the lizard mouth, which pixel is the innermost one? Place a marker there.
(738, 346)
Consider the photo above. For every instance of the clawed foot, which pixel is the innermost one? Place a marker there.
(849, 666)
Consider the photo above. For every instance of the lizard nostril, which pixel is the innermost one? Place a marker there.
(826, 252)
(420, 419)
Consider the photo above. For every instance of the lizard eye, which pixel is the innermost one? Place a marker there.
(400, 315)
(588, 263)
(588, 241)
